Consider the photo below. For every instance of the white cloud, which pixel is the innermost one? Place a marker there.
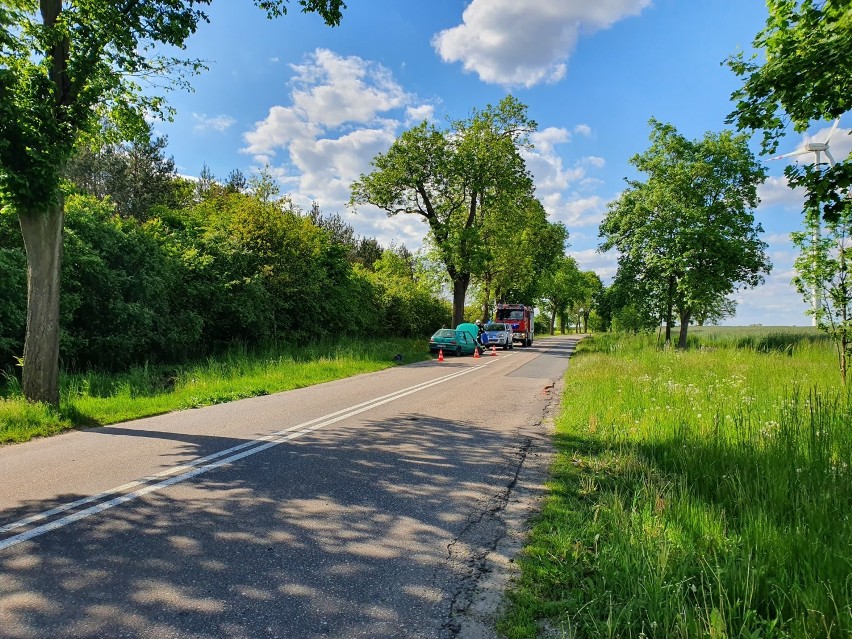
(416, 114)
(558, 186)
(604, 264)
(332, 89)
(525, 43)
(777, 192)
(583, 129)
(593, 160)
(282, 126)
(219, 123)
(775, 303)
(341, 113)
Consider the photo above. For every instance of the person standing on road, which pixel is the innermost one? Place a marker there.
(480, 331)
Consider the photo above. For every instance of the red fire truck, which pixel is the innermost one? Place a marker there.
(520, 318)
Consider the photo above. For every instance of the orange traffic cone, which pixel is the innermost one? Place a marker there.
(476, 353)
(440, 354)
(493, 351)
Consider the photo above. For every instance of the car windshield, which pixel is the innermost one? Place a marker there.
(445, 332)
(495, 327)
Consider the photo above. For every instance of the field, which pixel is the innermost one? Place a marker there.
(96, 399)
(702, 493)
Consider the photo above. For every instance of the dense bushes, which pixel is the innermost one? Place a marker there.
(232, 267)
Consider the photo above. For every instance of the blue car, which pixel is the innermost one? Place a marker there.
(499, 334)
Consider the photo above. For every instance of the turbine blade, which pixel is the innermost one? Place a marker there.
(830, 157)
(790, 154)
(833, 129)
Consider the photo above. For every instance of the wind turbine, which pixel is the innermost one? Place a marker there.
(817, 148)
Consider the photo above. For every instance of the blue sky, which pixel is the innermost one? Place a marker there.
(315, 104)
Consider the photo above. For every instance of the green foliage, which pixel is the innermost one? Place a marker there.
(13, 292)
(186, 283)
(805, 75)
(136, 176)
(64, 67)
(687, 232)
(472, 187)
(822, 266)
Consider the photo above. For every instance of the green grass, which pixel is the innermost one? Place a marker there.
(97, 399)
(705, 493)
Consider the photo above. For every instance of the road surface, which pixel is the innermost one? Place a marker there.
(383, 505)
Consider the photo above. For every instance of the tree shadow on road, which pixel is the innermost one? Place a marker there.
(309, 538)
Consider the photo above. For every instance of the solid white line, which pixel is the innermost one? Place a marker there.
(201, 460)
(274, 439)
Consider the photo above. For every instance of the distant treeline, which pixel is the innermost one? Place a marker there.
(157, 268)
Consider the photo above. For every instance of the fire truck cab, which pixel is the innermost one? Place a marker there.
(520, 318)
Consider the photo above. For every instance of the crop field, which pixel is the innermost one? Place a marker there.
(697, 493)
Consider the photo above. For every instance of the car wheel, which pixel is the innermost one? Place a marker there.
(458, 351)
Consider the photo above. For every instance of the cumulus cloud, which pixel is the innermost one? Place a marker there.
(593, 160)
(526, 43)
(341, 113)
(416, 114)
(563, 189)
(335, 90)
(604, 264)
(777, 192)
(219, 123)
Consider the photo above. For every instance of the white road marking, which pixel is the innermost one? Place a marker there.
(200, 466)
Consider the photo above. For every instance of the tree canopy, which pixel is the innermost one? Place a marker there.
(65, 66)
(804, 75)
(469, 183)
(687, 231)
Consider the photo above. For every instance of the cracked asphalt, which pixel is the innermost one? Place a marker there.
(384, 505)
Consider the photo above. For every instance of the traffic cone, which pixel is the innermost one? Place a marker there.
(493, 351)
(476, 353)
(440, 354)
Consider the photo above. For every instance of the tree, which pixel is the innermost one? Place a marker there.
(689, 228)
(806, 76)
(823, 264)
(65, 65)
(136, 175)
(521, 246)
(454, 179)
(559, 289)
(714, 311)
(591, 287)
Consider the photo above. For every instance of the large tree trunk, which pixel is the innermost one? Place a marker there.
(684, 327)
(670, 310)
(459, 292)
(42, 231)
(486, 307)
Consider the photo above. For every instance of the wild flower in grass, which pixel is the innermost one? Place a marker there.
(770, 429)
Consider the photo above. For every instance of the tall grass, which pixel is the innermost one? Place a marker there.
(705, 493)
(97, 398)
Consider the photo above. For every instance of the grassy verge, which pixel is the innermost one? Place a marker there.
(705, 493)
(96, 399)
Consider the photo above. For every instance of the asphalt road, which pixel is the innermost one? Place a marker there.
(374, 506)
